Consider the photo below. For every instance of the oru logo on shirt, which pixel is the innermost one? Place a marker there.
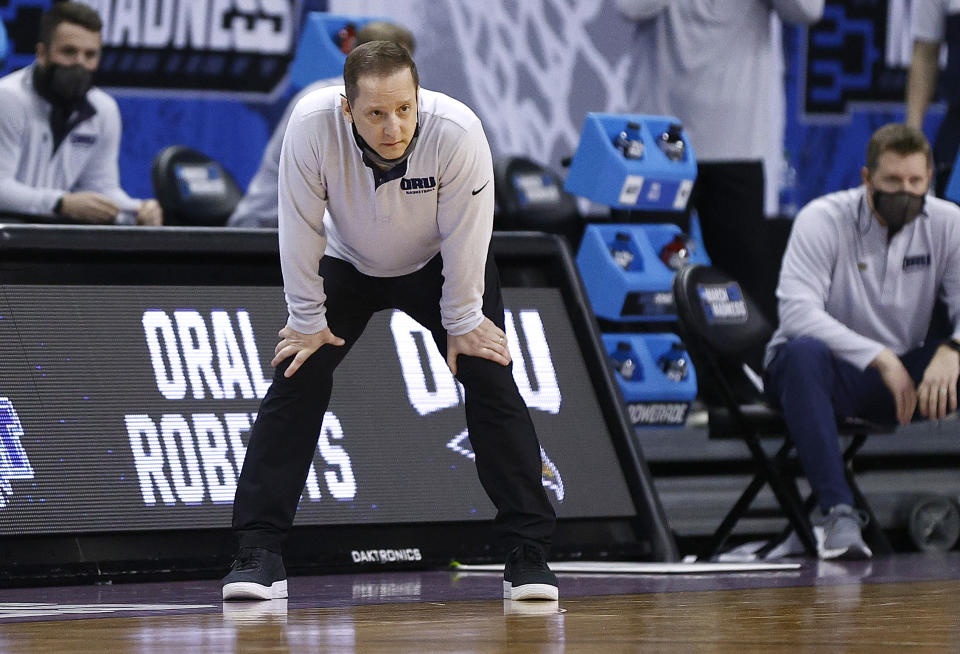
(916, 262)
(414, 185)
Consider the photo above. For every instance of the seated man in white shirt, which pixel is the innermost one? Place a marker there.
(59, 135)
(860, 276)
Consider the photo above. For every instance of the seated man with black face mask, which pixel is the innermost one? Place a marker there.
(59, 135)
(858, 283)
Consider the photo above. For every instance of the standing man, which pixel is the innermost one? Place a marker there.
(862, 270)
(406, 178)
(933, 23)
(59, 135)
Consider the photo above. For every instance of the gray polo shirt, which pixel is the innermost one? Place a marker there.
(442, 204)
(842, 283)
(32, 176)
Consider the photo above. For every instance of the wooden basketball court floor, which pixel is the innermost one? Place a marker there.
(901, 603)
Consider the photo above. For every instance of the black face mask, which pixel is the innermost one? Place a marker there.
(897, 209)
(64, 84)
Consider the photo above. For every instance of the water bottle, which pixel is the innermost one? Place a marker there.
(620, 250)
(671, 142)
(623, 362)
(674, 363)
(676, 254)
(628, 141)
(347, 38)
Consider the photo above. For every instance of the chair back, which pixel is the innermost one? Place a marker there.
(724, 330)
(192, 188)
(531, 197)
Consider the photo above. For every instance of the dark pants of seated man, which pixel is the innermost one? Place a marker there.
(813, 387)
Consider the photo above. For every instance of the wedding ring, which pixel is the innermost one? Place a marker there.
(943, 390)
(501, 343)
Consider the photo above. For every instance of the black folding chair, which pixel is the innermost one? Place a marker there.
(725, 334)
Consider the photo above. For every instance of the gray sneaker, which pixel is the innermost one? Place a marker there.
(842, 538)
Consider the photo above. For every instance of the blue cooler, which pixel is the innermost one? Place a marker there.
(625, 277)
(655, 375)
(628, 161)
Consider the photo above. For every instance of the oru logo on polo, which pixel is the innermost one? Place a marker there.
(414, 185)
(14, 463)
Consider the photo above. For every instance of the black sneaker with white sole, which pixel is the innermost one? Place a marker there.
(526, 575)
(256, 574)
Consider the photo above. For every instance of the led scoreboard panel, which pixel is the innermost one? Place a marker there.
(127, 407)
(132, 364)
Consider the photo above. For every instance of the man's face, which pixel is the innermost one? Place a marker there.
(896, 172)
(385, 112)
(71, 44)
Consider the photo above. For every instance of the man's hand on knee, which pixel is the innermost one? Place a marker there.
(937, 392)
(300, 347)
(898, 380)
(486, 341)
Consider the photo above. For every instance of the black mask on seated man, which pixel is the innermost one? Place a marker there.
(897, 209)
(65, 85)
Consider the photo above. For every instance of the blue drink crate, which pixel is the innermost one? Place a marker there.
(637, 288)
(601, 172)
(653, 399)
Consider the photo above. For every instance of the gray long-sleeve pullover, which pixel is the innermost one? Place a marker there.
(442, 204)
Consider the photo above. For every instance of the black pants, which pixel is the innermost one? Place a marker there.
(728, 197)
(284, 436)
